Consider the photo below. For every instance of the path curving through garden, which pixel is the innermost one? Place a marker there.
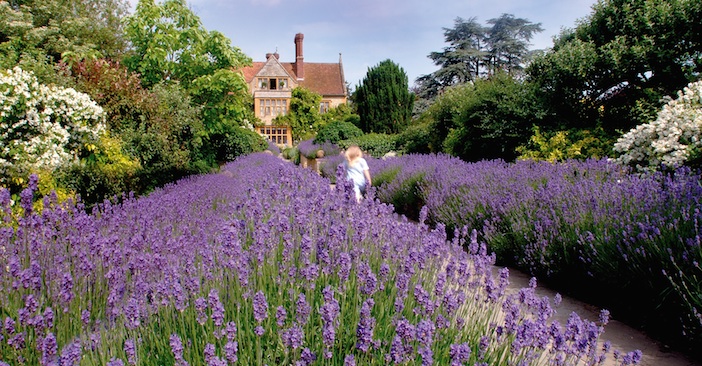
(622, 336)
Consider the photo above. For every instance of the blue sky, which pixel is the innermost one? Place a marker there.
(367, 32)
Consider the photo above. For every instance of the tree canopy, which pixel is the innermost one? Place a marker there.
(476, 51)
(617, 64)
(35, 34)
(169, 43)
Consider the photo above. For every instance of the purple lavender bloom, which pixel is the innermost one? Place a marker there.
(427, 355)
(368, 280)
(85, 317)
(132, 314)
(230, 331)
(483, 346)
(632, 358)
(293, 337)
(364, 330)
(329, 313)
(31, 304)
(440, 283)
(303, 309)
(211, 356)
(425, 332)
(66, 289)
(70, 355)
(307, 356)
(130, 350)
(17, 341)
(260, 307)
(231, 350)
(115, 362)
(459, 354)
(424, 299)
(217, 308)
(177, 349)
(349, 360)
(604, 317)
(280, 315)
(259, 331)
(49, 350)
(200, 307)
(27, 195)
(9, 326)
(344, 263)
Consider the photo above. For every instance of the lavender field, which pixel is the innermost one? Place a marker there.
(628, 242)
(263, 264)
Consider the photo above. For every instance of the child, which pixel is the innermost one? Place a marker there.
(357, 171)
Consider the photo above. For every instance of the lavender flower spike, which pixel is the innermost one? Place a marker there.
(260, 307)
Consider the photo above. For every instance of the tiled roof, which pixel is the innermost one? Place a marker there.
(325, 79)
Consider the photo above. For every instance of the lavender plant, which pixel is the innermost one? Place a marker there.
(308, 148)
(252, 267)
(630, 236)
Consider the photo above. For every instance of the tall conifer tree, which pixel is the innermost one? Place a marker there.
(383, 100)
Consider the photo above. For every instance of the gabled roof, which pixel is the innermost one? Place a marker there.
(273, 68)
(321, 78)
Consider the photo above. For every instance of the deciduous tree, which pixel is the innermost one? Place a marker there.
(36, 34)
(616, 65)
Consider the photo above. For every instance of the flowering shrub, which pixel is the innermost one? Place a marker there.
(581, 224)
(42, 127)
(671, 138)
(251, 266)
(273, 148)
(308, 148)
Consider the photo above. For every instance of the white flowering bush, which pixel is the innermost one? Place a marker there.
(43, 127)
(671, 139)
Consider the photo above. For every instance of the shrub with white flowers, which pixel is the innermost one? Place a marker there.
(671, 138)
(42, 127)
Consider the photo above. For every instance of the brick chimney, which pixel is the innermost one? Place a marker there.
(299, 59)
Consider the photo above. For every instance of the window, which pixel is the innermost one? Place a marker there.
(324, 106)
(273, 83)
(277, 135)
(273, 107)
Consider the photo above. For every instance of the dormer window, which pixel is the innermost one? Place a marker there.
(272, 83)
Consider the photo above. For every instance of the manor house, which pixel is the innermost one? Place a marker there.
(272, 81)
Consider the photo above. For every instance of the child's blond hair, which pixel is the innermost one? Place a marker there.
(353, 153)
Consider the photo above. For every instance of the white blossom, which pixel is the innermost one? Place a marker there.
(41, 126)
(669, 139)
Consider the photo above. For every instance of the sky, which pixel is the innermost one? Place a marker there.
(366, 32)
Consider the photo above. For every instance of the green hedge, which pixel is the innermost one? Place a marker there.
(374, 144)
(337, 131)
